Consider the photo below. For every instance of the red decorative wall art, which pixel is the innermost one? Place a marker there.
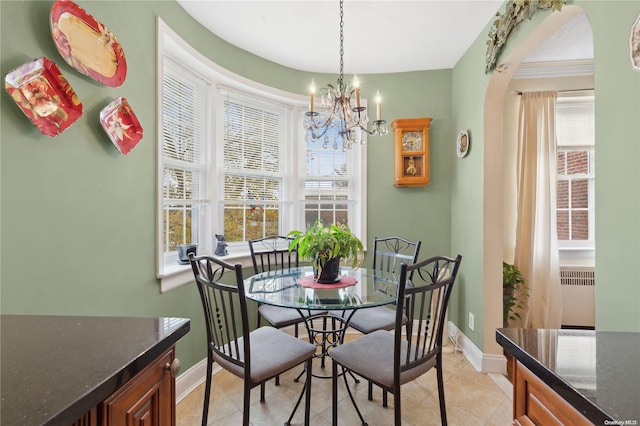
(44, 95)
(86, 44)
(121, 124)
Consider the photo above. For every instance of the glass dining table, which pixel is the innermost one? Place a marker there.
(295, 288)
(325, 308)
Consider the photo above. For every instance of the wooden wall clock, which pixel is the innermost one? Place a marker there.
(411, 138)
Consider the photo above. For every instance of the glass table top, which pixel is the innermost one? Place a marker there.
(282, 288)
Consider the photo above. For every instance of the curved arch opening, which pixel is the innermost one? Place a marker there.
(493, 213)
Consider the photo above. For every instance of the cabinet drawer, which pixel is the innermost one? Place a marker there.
(536, 401)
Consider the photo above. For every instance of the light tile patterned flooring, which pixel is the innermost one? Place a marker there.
(472, 398)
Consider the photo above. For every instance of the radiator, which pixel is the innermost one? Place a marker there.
(578, 296)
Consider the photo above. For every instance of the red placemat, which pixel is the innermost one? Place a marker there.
(310, 282)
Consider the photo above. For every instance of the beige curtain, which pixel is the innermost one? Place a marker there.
(536, 250)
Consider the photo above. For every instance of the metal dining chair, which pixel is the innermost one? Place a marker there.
(392, 359)
(272, 253)
(388, 254)
(255, 356)
(269, 254)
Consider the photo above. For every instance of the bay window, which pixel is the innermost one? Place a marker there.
(233, 160)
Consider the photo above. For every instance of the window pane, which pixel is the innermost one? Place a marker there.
(341, 217)
(248, 188)
(310, 216)
(579, 225)
(255, 219)
(560, 162)
(234, 222)
(577, 162)
(579, 194)
(326, 162)
(329, 208)
(246, 222)
(563, 225)
(563, 194)
(178, 225)
(178, 184)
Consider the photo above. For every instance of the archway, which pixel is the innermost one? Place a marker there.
(493, 169)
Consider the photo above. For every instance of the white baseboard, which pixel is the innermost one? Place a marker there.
(192, 378)
(486, 363)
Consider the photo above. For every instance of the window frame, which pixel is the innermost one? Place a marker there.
(264, 104)
(171, 274)
(580, 250)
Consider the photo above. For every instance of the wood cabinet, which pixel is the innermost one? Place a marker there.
(411, 149)
(112, 370)
(535, 403)
(148, 399)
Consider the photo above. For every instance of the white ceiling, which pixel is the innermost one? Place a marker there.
(572, 42)
(379, 36)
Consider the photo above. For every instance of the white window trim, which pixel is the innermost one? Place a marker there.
(576, 252)
(241, 248)
(173, 275)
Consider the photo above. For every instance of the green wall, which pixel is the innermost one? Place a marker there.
(78, 218)
(618, 174)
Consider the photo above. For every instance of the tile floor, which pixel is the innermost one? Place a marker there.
(472, 399)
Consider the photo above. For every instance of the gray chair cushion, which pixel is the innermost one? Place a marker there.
(281, 317)
(272, 352)
(371, 356)
(368, 320)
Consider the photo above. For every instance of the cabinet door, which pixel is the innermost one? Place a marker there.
(535, 403)
(148, 399)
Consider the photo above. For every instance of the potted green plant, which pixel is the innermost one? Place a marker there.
(512, 282)
(326, 246)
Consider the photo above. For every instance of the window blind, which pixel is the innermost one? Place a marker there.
(254, 154)
(184, 171)
(575, 121)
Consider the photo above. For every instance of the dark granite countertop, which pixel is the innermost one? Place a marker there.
(54, 369)
(595, 371)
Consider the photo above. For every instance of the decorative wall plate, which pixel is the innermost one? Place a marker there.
(462, 144)
(634, 45)
(44, 95)
(121, 124)
(86, 44)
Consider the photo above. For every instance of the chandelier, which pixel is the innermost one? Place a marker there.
(335, 121)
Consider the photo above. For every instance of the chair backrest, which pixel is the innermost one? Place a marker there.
(272, 253)
(225, 309)
(390, 252)
(424, 299)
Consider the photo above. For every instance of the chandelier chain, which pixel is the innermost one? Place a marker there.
(341, 44)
